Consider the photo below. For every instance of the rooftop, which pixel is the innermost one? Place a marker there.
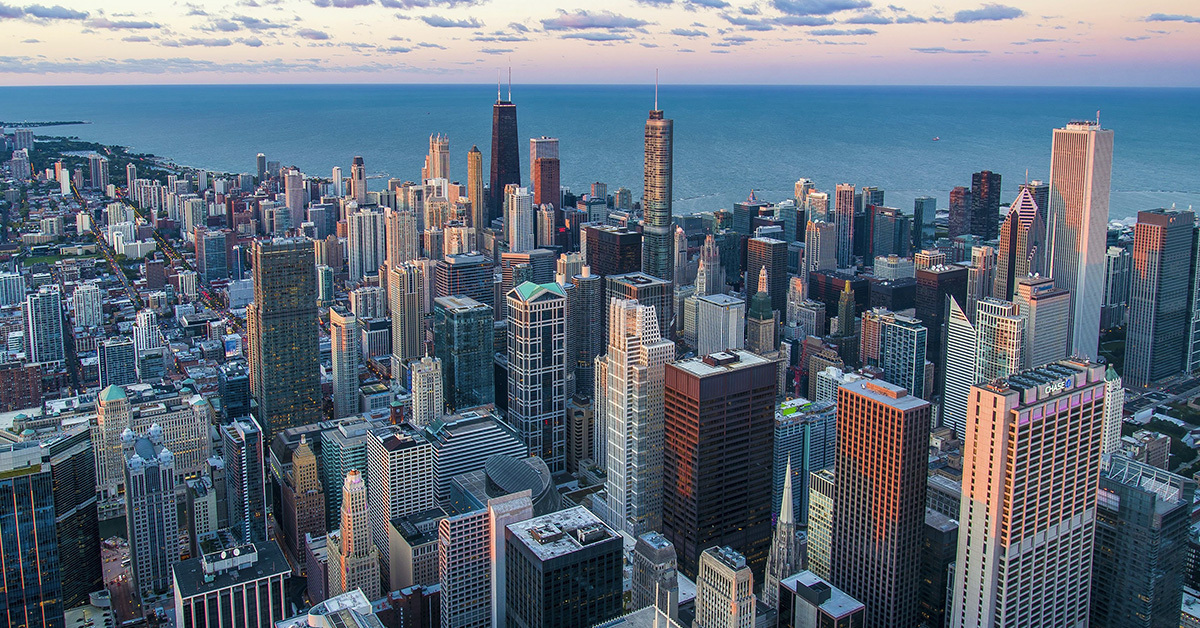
(723, 300)
(223, 569)
(885, 393)
(721, 362)
(837, 604)
(561, 533)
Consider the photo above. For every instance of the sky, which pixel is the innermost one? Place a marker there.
(921, 42)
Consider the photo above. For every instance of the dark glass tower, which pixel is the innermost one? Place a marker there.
(506, 159)
(657, 240)
(32, 593)
(985, 204)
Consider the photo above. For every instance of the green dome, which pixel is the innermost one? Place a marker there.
(760, 307)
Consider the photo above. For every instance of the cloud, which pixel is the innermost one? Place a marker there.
(31, 41)
(1138, 38)
(518, 27)
(253, 42)
(103, 22)
(225, 26)
(394, 49)
(942, 50)
(312, 33)
(186, 65)
(54, 13)
(10, 12)
(198, 41)
(655, 3)
(500, 38)
(495, 51)
(423, 4)
(343, 4)
(594, 36)
(445, 22)
(818, 7)
(750, 23)
(911, 19)
(838, 32)
(708, 4)
(138, 39)
(738, 39)
(427, 44)
(584, 19)
(254, 23)
(988, 12)
(1173, 17)
(803, 20)
(688, 32)
(869, 18)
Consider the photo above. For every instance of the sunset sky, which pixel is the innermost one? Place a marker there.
(959, 42)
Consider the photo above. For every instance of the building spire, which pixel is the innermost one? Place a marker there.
(786, 516)
(497, 84)
(510, 83)
(762, 279)
(656, 89)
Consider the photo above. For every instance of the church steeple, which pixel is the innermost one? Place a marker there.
(788, 551)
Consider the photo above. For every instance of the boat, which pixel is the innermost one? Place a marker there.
(936, 139)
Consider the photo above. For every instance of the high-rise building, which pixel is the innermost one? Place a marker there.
(260, 161)
(629, 414)
(32, 570)
(902, 346)
(294, 194)
(406, 286)
(1114, 408)
(464, 330)
(1048, 309)
(212, 256)
(935, 286)
(611, 250)
(647, 290)
(586, 324)
(562, 569)
(506, 159)
(344, 348)
(656, 195)
(519, 220)
(353, 559)
(98, 170)
(820, 247)
(358, 181)
(771, 254)
(282, 326)
(400, 482)
(366, 244)
(537, 369)
(879, 499)
(480, 213)
(960, 211)
(543, 163)
(1118, 268)
(1080, 171)
(1034, 433)
(806, 599)
(150, 510)
(655, 575)
(805, 440)
(146, 332)
(787, 547)
(437, 162)
(985, 204)
(87, 303)
(403, 242)
(718, 495)
(1000, 343)
(981, 276)
(466, 443)
(44, 326)
(1021, 245)
(245, 479)
(724, 590)
(924, 211)
(468, 274)
(720, 323)
(464, 570)
(241, 586)
(1141, 535)
(762, 322)
(425, 384)
(118, 362)
(1160, 295)
(303, 498)
(843, 223)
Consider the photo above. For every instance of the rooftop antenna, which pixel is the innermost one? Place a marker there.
(510, 83)
(656, 89)
(497, 84)
(1027, 176)
(1097, 117)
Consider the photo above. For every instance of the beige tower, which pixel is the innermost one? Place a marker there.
(353, 559)
(724, 590)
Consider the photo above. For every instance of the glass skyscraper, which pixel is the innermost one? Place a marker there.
(464, 328)
(32, 594)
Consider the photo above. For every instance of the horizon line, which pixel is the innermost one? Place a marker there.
(603, 85)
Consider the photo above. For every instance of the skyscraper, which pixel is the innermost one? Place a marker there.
(1048, 311)
(820, 247)
(428, 400)
(656, 196)
(724, 590)
(344, 348)
(1159, 297)
(118, 362)
(353, 559)
(630, 387)
(150, 510)
(924, 211)
(1021, 248)
(1000, 339)
(647, 290)
(985, 204)
(719, 495)
(1080, 170)
(245, 479)
(787, 547)
(437, 162)
(821, 489)
(543, 164)
(358, 181)
(260, 161)
(771, 254)
(655, 574)
(303, 498)
(537, 369)
(403, 241)
(902, 346)
(519, 220)
(405, 288)
(464, 330)
(76, 522)
(480, 213)
(879, 499)
(935, 286)
(720, 323)
(294, 194)
(468, 274)
(212, 256)
(610, 250)
(283, 335)
(806, 599)
(506, 160)
(1114, 408)
(43, 325)
(959, 211)
(32, 571)
(843, 223)
(1035, 433)
(400, 482)
(366, 244)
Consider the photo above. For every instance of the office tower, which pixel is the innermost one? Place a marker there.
(405, 288)
(537, 369)
(43, 325)
(294, 194)
(437, 162)
(463, 328)
(261, 162)
(1048, 309)
(820, 247)
(467, 443)
(821, 488)
(33, 572)
(464, 570)
(71, 461)
(1141, 536)
(902, 353)
(1160, 294)
(519, 220)
(1023, 439)
(469, 274)
(547, 226)
(344, 348)
(242, 586)
(353, 560)
(283, 334)
(655, 575)
(787, 547)
(245, 480)
(358, 181)
(771, 254)
(726, 397)
(146, 332)
(399, 480)
(935, 286)
(366, 243)
(985, 204)
(928, 258)
(961, 347)
(610, 250)
(562, 569)
(506, 160)
(890, 232)
(303, 498)
(981, 276)
(1000, 339)
(630, 388)
(1021, 248)
(479, 210)
(845, 326)
(1080, 169)
(118, 362)
(367, 302)
(1118, 269)
(544, 165)
(647, 290)
(724, 590)
(587, 325)
(843, 222)
(428, 401)
(879, 499)
(1114, 408)
(720, 323)
(680, 249)
(762, 322)
(806, 599)
(745, 213)
(212, 256)
(656, 195)
(714, 274)
(804, 441)
(894, 267)
(939, 547)
(150, 510)
(924, 211)
(960, 211)
(403, 241)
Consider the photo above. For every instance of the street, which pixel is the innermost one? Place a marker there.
(119, 581)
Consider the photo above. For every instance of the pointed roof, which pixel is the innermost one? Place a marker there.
(112, 393)
(785, 506)
(1111, 374)
(530, 291)
(760, 303)
(1024, 208)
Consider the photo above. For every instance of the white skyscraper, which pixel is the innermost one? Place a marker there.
(43, 325)
(400, 481)
(632, 416)
(294, 195)
(1080, 170)
(428, 401)
(1114, 407)
(960, 367)
(88, 303)
(1031, 463)
(519, 221)
(339, 188)
(366, 244)
(437, 162)
(146, 334)
(537, 369)
(1000, 339)
(724, 590)
(344, 345)
(720, 323)
(353, 559)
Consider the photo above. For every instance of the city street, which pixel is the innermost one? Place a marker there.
(118, 580)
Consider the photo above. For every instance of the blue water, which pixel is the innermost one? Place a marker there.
(728, 140)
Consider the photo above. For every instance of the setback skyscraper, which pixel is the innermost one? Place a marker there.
(1021, 247)
(537, 369)
(1159, 297)
(506, 158)
(657, 258)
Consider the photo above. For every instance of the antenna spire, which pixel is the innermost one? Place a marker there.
(656, 89)
(1097, 117)
(510, 83)
(497, 84)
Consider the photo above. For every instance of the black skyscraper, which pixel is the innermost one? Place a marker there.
(506, 160)
(985, 205)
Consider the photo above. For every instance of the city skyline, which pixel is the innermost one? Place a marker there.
(692, 41)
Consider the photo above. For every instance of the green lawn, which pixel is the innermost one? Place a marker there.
(51, 259)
